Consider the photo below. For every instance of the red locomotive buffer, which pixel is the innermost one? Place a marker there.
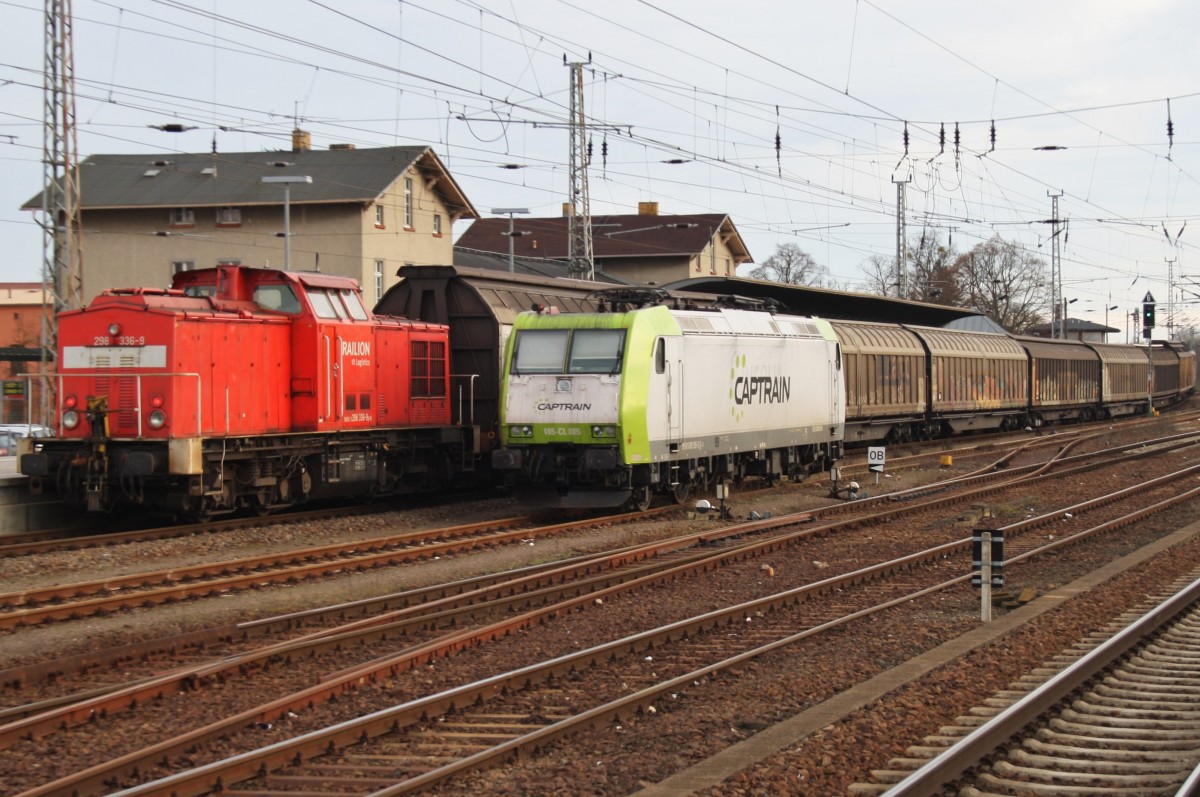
(246, 388)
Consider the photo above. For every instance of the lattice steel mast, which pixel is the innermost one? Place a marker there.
(580, 261)
(62, 272)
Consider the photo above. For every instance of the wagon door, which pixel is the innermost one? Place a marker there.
(669, 363)
(837, 386)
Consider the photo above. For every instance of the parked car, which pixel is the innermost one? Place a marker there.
(27, 430)
(8, 444)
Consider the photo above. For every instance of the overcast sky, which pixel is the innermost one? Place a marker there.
(708, 83)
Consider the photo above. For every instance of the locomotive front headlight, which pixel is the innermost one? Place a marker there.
(604, 431)
(520, 431)
(114, 330)
(70, 419)
(158, 419)
(70, 402)
(156, 401)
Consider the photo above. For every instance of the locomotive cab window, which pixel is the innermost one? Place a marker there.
(323, 304)
(277, 298)
(354, 304)
(540, 351)
(660, 357)
(596, 351)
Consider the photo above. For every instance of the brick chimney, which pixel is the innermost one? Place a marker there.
(647, 208)
(301, 140)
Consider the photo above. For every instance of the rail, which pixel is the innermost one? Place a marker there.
(931, 778)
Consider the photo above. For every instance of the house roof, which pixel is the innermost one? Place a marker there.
(528, 266)
(235, 178)
(628, 236)
(22, 293)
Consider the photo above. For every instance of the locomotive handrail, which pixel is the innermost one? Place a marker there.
(138, 382)
(471, 399)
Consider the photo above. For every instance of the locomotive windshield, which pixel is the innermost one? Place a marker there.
(559, 351)
(540, 351)
(343, 304)
(596, 351)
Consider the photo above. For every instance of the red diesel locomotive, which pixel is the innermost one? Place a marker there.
(243, 388)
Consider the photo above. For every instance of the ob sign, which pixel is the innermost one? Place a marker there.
(875, 458)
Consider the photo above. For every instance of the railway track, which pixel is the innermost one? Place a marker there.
(922, 453)
(936, 560)
(520, 588)
(111, 594)
(1117, 714)
(428, 740)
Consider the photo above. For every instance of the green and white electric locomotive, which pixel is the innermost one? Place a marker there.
(608, 408)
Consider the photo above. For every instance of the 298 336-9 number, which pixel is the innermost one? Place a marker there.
(123, 340)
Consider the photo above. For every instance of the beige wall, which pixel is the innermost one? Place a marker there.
(716, 259)
(397, 245)
(122, 248)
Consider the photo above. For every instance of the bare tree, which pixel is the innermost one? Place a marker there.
(793, 266)
(932, 272)
(1006, 283)
(880, 275)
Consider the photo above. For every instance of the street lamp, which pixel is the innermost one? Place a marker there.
(511, 212)
(1062, 329)
(287, 181)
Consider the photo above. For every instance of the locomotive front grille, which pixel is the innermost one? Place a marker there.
(124, 422)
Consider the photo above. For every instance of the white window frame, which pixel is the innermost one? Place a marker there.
(379, 215)
(180, 266)
(182, 217)
(378, 280)
(437, 224)
(229, 217)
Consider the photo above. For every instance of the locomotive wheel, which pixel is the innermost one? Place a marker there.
(682, 491)
(641, 498)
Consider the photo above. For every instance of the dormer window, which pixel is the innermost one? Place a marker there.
(182, 217)
(229, 217)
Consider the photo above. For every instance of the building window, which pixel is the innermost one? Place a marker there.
(179, 266)
(408, 203)
(378, 280)
(437, 224)
(229, 217)
(182, 217)
(379, 215)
